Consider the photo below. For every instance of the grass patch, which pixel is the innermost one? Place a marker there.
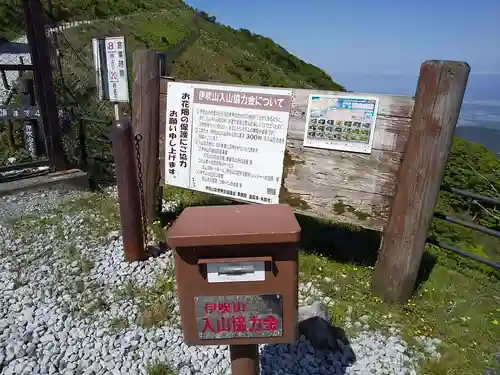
(119, 323)
(456, 305)
(82, 264)
(159, 368)
(155, 304)
(189, 198)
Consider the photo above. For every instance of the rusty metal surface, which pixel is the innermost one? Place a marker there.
(37, 40)
(203, 234)
(122, 137)
(234, 224)
(225, 317)
(280, 279)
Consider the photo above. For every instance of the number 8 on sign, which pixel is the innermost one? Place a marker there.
(111, 46)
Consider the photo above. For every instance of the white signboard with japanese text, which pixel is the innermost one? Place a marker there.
(226, 140)
(338, 122)
(110, 65)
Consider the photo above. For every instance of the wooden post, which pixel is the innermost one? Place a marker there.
(244, 359)
(439, 96)
(122, 136)
(145, 112)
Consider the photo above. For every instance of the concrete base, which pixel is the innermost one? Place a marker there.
(74, 178)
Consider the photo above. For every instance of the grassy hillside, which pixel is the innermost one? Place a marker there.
(470, 167)
(205, 49)
(196, 46)
(199, 48)
(11, 21)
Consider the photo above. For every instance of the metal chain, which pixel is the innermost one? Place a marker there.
(158, 185)
(138, 139)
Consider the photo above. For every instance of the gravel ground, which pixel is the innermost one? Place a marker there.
(71, 306)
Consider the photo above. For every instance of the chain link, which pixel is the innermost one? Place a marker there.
(138, 139)
(158, 185)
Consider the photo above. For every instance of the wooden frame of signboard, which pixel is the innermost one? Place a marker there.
(339, 186)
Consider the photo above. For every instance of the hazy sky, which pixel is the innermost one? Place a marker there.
(372, 38)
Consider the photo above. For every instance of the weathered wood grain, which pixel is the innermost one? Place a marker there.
(440, 92)
(145, 120)
(390, 105)
(315, 168)
(391, 133)
(366, 210)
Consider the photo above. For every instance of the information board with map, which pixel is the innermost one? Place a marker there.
(344, 123)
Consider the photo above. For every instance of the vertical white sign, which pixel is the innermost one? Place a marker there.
(116, 64)
(236, 138)
(178, 135)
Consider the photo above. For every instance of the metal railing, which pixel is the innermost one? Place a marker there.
(467, 224)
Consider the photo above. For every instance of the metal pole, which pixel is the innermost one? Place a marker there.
(244, 359)
(466, 254)
(122, 137)
(46, 99)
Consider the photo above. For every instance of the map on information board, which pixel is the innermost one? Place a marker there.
(344, 123)
(226, 140)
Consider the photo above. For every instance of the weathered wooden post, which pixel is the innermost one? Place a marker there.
(122, 137)
(145, 120)
(439, 96)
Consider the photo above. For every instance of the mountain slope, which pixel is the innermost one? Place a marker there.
(197, 47)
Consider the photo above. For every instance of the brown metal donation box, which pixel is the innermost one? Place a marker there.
(237, 274)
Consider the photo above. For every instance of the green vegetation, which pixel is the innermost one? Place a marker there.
(12, 24)
(158, 368)
(470, 167)
(196, 46)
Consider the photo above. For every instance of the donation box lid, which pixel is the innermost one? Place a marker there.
(234, 225)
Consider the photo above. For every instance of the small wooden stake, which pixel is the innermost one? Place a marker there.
(439, 96)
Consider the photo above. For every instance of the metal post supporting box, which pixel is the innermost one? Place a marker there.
(237, 274)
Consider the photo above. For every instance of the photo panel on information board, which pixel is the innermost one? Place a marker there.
(341, 122)
(227, 140)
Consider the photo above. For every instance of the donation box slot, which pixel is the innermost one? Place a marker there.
(231, 270)
(237, 279)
